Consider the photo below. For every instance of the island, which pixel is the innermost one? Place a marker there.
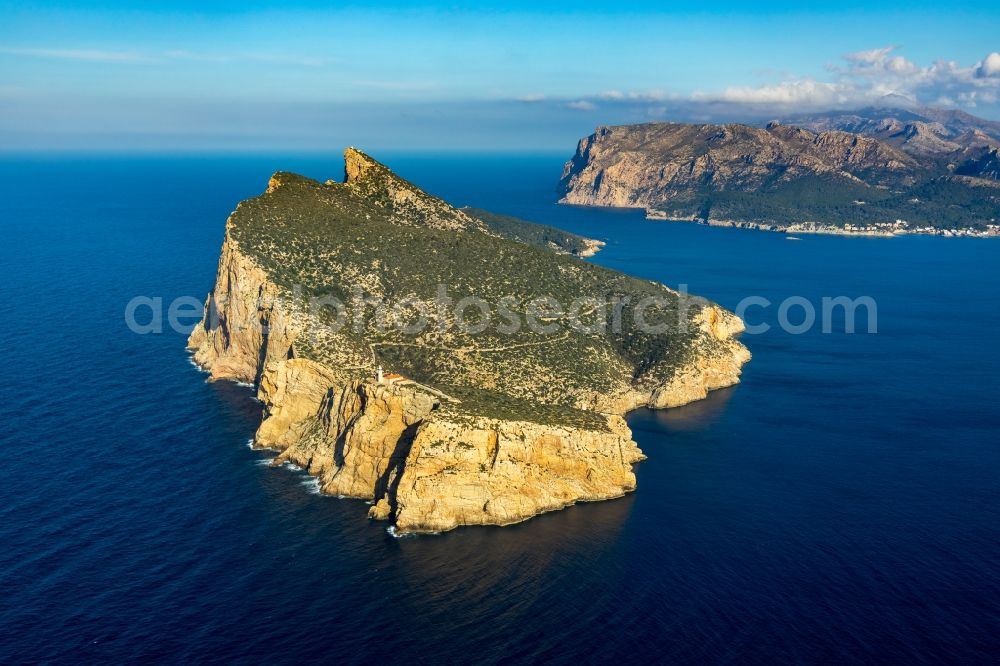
(378, 325)
(874, 172)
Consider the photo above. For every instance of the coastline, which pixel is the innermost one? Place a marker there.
(812, 228)
(593, 247)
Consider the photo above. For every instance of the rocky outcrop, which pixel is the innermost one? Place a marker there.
(425, 460)
(645, 165)
(985, 164)
(428, 469)
(241, 327)
(716, 369)
(883, 177)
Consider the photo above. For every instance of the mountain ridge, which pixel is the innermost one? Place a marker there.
(839, 173)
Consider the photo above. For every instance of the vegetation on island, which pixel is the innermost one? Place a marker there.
(378, 238)
(531, 233)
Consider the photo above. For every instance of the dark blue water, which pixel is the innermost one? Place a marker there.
(841, 504)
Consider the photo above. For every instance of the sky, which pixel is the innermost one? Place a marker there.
(245, 76)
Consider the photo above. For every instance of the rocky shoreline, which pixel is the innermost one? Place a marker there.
(891, 231)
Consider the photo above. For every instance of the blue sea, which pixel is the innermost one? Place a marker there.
(840, 505)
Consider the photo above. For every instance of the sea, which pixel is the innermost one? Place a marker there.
(840, 505)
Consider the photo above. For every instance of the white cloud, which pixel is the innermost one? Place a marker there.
(90, 55)
(880, 75)
(644, 96)
(111, 56)
(400, 86)
(788, 92)
(582, 105)
(870, 56)
(990, 66)
(878, 63)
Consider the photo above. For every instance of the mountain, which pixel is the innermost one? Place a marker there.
(407, 353)
(987, 165)
(959, 139)
(923, 130)
(844, 172)
(673, 159)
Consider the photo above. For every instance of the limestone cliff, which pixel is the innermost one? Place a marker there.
(644, 165)
(483, 430)
(430, 469)
(884, 178)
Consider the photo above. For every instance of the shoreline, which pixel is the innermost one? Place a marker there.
(593, 246)
(828, 230)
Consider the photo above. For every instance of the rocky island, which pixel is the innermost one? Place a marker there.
(344, 304)
(863, 173)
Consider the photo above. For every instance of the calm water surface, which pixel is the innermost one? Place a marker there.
(842, 504)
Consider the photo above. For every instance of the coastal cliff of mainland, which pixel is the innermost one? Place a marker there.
(444, 426)
(875, 172)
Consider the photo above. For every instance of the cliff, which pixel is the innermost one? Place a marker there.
(780, 175)
(644, 165)
(488, 426)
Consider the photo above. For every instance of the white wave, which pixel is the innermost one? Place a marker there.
(312, 485)
(262, 449)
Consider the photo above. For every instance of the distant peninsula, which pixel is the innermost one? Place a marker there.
(443, 426)
(875, 172)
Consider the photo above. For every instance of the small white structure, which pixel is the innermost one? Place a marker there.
(389, 377)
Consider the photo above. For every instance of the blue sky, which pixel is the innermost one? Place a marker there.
(245, 76)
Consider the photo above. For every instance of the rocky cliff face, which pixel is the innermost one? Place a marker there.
(425, 459)
(429, 469)
(885, 176)
(958, 140)
(646, 165)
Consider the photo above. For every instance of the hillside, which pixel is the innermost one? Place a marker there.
(321, 284)
(920, 131)
(539, 235)
(789, 177)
